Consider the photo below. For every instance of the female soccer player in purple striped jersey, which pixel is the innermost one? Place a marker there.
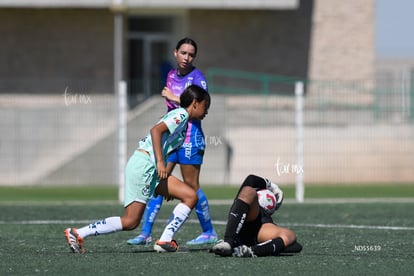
(190, 154)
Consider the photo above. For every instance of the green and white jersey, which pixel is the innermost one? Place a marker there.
(176, 121)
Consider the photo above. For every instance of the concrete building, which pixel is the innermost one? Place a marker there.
(47, 43)
(75, 51)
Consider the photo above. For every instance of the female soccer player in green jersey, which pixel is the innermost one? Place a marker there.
(191, 154)
(146, 175)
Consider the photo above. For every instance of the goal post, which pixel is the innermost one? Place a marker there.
(121, 138)
(299, 185)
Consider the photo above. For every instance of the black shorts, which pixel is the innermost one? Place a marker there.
(248, 234)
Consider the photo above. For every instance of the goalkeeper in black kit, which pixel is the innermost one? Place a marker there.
(250, 230)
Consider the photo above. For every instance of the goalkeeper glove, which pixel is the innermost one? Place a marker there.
(277, 191)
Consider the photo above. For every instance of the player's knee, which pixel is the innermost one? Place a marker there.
(192, 181)
(250, 180)
(248, 194)
(129, 224)
(190, 198)
(194, 199)
(288, 236)
(194, 185)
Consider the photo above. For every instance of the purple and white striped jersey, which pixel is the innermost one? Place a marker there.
(177, 84)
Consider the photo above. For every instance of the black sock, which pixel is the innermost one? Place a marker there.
(269, 248)
(293, 248)
(235, 221)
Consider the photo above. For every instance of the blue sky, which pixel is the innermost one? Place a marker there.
(394, 28)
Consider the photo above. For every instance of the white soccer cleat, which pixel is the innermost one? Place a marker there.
(162, 247)
(75, 242)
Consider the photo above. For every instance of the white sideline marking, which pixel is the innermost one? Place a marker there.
(221, 222)
(221, 201)
(352, 226)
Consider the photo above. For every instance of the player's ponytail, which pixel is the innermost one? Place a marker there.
(194, 92)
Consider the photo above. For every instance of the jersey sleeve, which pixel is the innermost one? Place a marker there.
(174, 118)
(200, 80)
(169, 78)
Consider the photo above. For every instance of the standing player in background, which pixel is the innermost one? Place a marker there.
(190, 155)
(250, 231)
(146, 174)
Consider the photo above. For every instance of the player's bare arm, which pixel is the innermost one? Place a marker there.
(168, 94)
(156, 134)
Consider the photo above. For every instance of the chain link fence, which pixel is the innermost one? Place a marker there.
(354, 132)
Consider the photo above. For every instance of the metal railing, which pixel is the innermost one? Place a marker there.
(354, 131)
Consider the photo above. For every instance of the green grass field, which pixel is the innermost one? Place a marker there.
(43, 193)
(344, 236)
